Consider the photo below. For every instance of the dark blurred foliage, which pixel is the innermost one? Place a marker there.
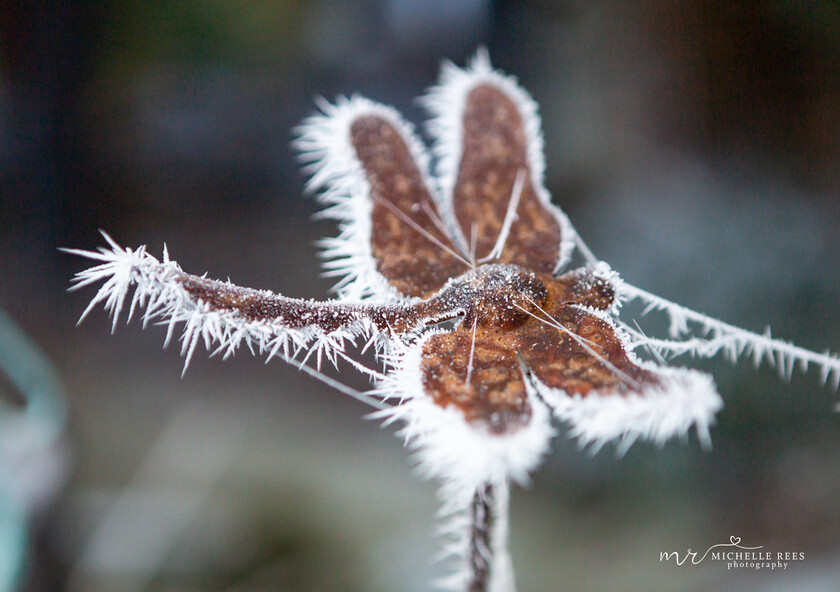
(695, 145)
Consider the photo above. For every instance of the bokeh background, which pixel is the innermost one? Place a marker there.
(695, 145)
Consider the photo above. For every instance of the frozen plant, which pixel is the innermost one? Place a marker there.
(459, 280)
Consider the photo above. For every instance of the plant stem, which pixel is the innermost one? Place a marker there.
(481, 545)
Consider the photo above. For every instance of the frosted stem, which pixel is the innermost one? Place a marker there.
(733, 341)
(481, 547)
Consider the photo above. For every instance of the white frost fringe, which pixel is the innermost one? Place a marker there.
(325, 147)
(462, 455)
(447, 101)
(701, 336)
(732, 341)
(686, 398)
(166, 301)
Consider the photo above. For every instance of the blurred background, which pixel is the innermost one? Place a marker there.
(695, 145)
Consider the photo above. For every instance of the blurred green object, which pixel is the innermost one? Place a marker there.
(31, 463)
(12, 537)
